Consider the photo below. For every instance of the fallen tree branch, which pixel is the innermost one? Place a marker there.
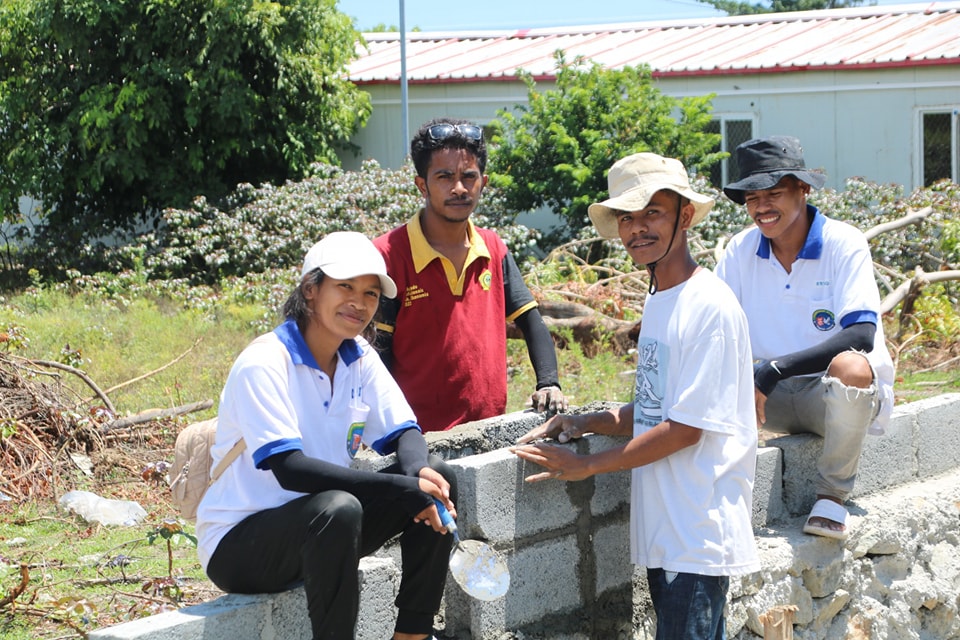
(912, 217)
(83, 376)
(558, 309)
(918, 281)
(18, 590)
(941, 365)
(155, 414)
(590, 329)
(155, 371)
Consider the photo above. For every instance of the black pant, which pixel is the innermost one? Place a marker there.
(320, 539)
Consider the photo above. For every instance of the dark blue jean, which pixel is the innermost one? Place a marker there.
(690, 607)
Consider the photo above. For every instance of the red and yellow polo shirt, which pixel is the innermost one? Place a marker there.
(449, 338)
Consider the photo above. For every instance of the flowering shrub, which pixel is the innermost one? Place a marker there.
(269, 227)
(248, 249)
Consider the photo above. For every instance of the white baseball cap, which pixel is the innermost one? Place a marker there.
(347, 254)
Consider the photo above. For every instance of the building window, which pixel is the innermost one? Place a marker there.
(941, 149)
(733, 130)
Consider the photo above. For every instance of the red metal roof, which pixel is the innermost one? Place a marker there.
(862, 37)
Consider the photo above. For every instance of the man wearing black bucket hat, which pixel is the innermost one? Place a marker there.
(806, 284)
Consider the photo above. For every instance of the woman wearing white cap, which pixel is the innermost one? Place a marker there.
(290, 508)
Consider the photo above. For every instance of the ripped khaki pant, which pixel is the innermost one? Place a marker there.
(837, 413)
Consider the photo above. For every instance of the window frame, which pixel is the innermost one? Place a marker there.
(919, 169)
(724, 119)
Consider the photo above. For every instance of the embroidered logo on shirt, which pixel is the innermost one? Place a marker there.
(354, 438)
(823, 320)
(485, 279)
(413, 292)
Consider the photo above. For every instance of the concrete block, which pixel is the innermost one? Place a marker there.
(799, 459)
(611, 493)
(938, 432)
(232, 616)
(768, 487)
(889, 459)
(611, 552)
(268, 615)
(611, 490)
(379, 584)
(503, 431)
(496, 505)
(472, 438)
(544, 580)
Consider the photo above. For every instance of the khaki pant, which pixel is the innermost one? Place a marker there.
(839, 414)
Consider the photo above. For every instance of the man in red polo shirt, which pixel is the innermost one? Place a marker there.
(444, 336)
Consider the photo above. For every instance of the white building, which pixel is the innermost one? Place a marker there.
(870, 91)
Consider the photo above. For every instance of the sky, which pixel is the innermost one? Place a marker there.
(525, 14)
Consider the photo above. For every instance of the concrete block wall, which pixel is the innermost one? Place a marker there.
(567, 547)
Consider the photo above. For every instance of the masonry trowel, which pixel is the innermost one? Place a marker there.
(476, 567)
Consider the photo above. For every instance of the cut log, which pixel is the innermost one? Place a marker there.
(155, 414)
(593, 331)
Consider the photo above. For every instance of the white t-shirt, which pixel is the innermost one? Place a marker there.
(831, 285)
(278, 399)
(691, 511)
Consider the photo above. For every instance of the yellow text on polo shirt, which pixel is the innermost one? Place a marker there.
(413, 292)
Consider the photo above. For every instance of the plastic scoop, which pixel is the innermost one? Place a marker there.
(476, 567)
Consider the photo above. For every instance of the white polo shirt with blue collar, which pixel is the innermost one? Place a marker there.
(830, 286)
(278, 399)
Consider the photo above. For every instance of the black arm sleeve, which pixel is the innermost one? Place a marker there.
(516, 293)
(296, 471)
(412, 452)
(543, 354)
(857, 336)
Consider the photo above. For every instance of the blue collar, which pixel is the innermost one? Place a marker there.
(290, 336)
(812, 247)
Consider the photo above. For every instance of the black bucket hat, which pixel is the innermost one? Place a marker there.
(764, 161)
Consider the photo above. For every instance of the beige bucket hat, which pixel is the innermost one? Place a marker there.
(633, 181)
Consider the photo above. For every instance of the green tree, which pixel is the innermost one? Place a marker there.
(556, 149)
(111, 110)
(733, 8)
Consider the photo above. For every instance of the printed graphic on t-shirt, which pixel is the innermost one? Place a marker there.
(648, 394)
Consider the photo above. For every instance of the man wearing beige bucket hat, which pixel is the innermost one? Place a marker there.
(692, 413)
(807, 285)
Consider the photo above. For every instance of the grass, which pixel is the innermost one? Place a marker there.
(82, 576)
(911, 387)
(605, 376)
(116, 343)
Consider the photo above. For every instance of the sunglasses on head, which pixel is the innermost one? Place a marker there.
(444, 131)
